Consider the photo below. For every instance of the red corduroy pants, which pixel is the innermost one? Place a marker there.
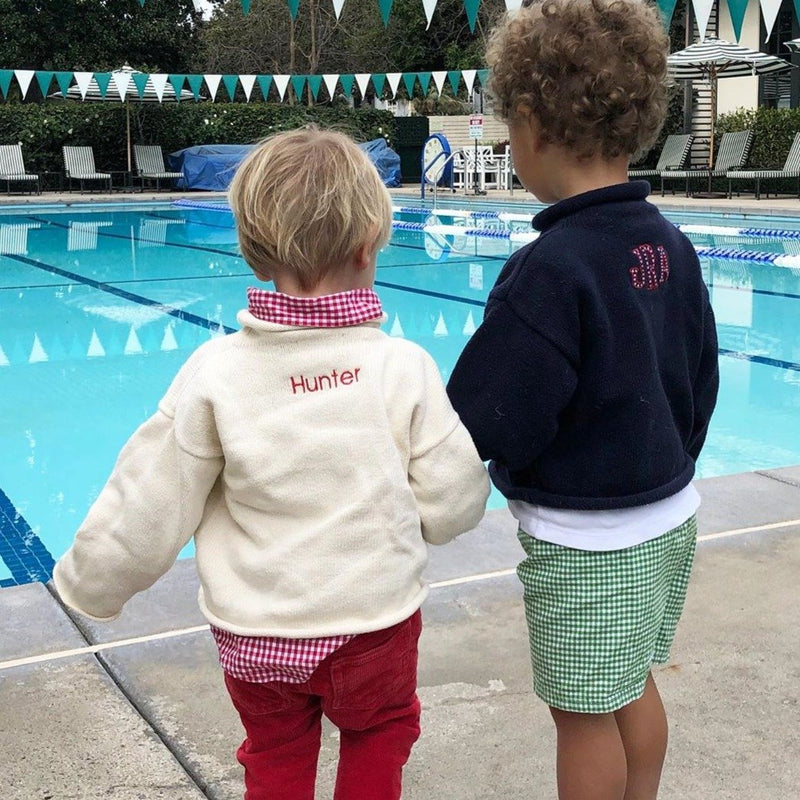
(367, 688)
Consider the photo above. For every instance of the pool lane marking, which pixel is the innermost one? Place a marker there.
(22, 551)
(178, 313)
(173, 634)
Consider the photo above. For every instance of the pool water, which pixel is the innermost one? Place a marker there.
(99, 306)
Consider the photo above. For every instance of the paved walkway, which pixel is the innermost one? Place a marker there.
(136, 709)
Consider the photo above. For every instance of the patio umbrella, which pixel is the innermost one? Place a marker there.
(713, 59)
(124, 87)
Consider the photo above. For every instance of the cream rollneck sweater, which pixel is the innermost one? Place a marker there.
(311, 465)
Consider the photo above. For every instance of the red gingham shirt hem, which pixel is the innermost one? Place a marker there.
(328, 311)
(261, 659)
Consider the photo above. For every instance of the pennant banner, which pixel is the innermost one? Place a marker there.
(769, 10)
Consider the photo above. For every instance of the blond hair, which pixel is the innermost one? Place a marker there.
(305, 202)
(593, 73)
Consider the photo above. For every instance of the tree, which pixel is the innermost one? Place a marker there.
(91, 35)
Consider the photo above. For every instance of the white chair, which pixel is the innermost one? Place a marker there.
(79, 166)
(12, 168)
(491, 169)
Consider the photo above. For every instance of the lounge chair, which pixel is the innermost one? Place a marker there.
(12, 168)
(150, 165)
(79, 166)
(734, 147)
(674, 155)
(791, 169)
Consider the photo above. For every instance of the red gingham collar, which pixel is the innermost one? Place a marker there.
(329, 311)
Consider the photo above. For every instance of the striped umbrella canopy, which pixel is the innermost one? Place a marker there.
(793, 45)
(713, 59)
(127, 85)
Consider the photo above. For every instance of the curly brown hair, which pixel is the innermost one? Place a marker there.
(593, 73)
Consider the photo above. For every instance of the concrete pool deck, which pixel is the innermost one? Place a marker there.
(136, 708)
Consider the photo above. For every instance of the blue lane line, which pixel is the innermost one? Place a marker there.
(770, 362)
(22, 550)
(178, 313)
(427, 293)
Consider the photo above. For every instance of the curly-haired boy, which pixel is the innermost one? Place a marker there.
(591, 382)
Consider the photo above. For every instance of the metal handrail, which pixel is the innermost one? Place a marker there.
(435, 184)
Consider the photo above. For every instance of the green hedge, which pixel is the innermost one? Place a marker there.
(773, 128)
(43, 128)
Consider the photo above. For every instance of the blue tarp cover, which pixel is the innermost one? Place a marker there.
(212, 166)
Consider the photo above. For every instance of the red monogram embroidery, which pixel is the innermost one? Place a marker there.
(650, 272)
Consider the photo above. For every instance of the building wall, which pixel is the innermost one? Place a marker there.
(735, 93)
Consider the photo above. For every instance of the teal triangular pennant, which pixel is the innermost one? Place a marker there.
(140, 82)
(264, 81)
(454, 76)
(737, 9)
(177, 82)
(346, 82)
(483, 77)
(797, 9)
(5, 80)
(378, 81)
(63, 79)
(246, 6)
(667, 9)
(195, 84)
(298, 82)
(409, 78)
(44, 79)
(293, 6)
(314, 82)
(103, 79)
(230, 82)
(424, 81)
(471, 7)
(386, 8)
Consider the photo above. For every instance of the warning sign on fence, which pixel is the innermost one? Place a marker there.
(476, 126)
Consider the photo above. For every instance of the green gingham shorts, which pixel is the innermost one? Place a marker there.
(598, 620)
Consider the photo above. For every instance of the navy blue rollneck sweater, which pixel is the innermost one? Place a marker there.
(591, 381)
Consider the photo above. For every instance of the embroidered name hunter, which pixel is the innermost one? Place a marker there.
(317, 383)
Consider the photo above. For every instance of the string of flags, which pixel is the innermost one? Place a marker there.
(702, 10)
(127, 84)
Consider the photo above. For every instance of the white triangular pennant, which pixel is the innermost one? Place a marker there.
(430, 7)
(159, 81)
(441, 327)
(168, 342)
(133, 346)
(513, 5)
(37, 351)
(247, 81)
(362, 79)
(397, 328)
(281, 82)
(212, 81)
(769, 10)
(330, 82)
(337, 7)
(82, 81)
(439, 78)
(469, 78)
(121, 80)
(394, 81)
(24, 78)
(702, 12)
(96, 348)
(469, 325)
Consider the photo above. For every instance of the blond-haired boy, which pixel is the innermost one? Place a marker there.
(603, 354)
(312, 457)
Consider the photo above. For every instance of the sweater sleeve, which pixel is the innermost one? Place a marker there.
(445, 472)
(509, 386)
(147, 511)
(706, 385)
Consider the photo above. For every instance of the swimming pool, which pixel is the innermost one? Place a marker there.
(99, 305)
